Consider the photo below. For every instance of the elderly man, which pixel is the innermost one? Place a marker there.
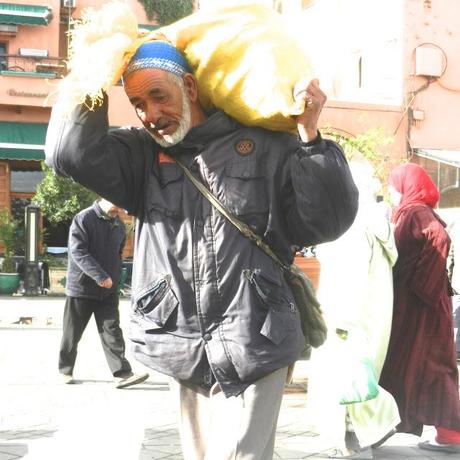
(210, 309)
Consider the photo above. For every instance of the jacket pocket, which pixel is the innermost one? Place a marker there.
(154, 305)
(245, 187)
(164, 195)
(282, 316)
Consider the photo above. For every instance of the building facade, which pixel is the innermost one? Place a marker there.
(392, 64)
(33, 52)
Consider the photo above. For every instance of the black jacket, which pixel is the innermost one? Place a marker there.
(204, 297)
(95, 246)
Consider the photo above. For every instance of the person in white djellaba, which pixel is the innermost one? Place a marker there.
(356, 294)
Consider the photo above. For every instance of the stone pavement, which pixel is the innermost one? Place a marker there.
(43, 419)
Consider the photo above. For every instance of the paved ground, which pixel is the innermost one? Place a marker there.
(43, 419)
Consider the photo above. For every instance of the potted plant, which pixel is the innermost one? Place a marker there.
(9, 278)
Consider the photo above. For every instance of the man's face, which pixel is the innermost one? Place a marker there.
(113, 211)
(161, 103)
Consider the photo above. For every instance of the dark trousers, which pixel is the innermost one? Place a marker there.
(77, 314)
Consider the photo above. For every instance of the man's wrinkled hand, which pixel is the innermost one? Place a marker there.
(107, 283)
(313, 98)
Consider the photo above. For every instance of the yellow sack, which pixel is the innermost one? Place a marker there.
(245, 61)
(98, 43)
(243, 57)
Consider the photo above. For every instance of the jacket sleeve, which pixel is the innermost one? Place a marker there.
(79, 251)
(111, 163)
(324, 200)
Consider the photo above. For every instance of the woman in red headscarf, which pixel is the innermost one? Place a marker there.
(420, 368)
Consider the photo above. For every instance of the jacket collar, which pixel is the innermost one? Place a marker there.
(101, 214)
(216, 125)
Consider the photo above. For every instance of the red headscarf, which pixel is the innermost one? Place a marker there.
(415, 186)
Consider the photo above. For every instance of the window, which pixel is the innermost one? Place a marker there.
(3, 59)
(446, 177)
(25, 181)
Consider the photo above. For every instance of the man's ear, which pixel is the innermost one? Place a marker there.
(191, 86)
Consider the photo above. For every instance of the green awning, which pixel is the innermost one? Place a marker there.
(33, 15)
(22, 141)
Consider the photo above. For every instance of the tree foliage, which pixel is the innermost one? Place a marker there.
(368, 145)
(60, 198)
(8, 228)
(167, 11)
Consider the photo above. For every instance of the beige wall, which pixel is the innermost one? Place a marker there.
(24, 100)
(436, 22)
(351, 119)
(431, 24)
(427, 24)
(136, 7)
(356, 50)
(26, 91)
(355, 47)
(24, 114)
(4, 185)
(121, 112)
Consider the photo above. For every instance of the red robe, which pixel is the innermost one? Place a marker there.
(420, 370)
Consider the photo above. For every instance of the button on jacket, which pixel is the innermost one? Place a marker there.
(207, 303)
(95, 246)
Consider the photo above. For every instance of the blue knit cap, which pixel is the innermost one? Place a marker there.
(158, 55)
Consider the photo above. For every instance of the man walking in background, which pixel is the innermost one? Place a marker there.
(96, 240)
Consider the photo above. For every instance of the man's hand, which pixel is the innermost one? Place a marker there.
(107, 283)
(314, 100)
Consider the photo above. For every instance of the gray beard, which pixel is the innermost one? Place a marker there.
(183, 128)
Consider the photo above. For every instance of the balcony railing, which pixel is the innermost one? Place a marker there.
(32, 66)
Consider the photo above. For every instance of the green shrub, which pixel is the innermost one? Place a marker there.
(8, 228)
(60, 198)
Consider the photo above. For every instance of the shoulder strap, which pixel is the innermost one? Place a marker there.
(241, 226)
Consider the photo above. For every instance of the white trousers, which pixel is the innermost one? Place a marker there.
(213, 427)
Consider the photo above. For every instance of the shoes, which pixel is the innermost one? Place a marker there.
(67, 378)
(128, 379)
(385, 438)
(434, 446)
(364, 454)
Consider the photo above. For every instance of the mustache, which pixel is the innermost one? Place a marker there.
(160, 124)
